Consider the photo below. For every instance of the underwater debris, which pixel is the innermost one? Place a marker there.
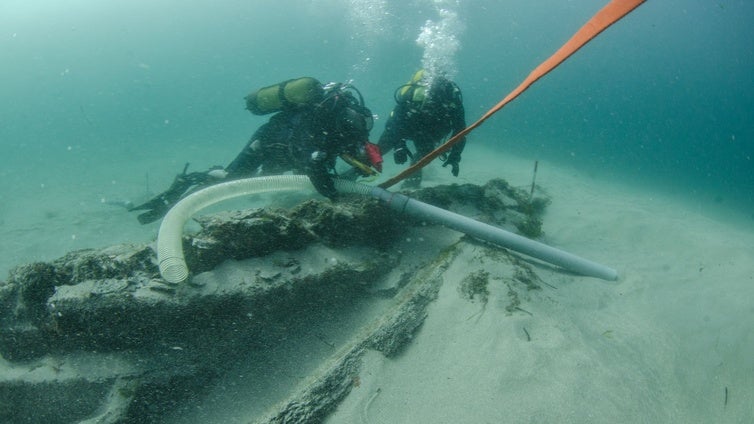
(474, 286)
(496, 202)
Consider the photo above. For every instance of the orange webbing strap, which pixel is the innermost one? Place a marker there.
(610, 14)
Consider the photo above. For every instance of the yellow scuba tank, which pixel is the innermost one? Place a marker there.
(414, 91)
(285, 95)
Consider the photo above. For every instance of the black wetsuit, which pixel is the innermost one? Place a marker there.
(306, 140)
(427, 125)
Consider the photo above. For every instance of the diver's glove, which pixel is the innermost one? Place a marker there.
(324, 184)
(453, 160)
(318, 175)
(182, 185)
(401, 154)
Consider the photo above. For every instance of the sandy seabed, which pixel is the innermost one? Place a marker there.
(671, 341)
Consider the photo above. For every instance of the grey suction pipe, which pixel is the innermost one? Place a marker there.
(170, 238)
(495, 235)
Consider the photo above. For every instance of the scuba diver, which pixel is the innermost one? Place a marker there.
(427, 111)
(314, 124)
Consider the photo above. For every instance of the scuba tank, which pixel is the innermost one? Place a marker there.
(288, 94)
(421, 90)
(414, 91)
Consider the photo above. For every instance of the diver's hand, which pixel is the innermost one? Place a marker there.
(318, 175)
(453, 161)
(400, 155)
(324, 184)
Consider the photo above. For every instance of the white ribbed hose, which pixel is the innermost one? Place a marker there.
(170, 238)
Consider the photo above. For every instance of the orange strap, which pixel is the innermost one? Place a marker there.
(609, 14)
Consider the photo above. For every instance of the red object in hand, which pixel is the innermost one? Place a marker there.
(375, 156)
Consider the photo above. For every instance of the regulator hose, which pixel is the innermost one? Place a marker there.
(170, 238)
